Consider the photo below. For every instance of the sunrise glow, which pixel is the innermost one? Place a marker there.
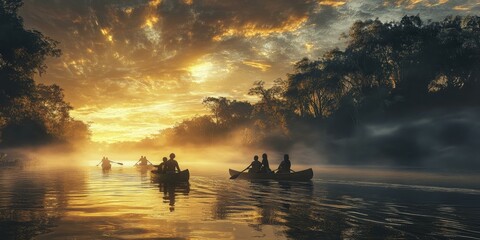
(133, 70)
(239, 119)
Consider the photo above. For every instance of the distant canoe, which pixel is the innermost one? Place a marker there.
(182, 176)
(144, 167)
(304, 175)
(8, 163)
(106, 167)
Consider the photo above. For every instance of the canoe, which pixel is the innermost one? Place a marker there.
(8, 163)
(106, 167)
(142, 167)
(182, 176)
(304, 175)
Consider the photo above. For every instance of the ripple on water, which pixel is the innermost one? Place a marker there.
(124, 203)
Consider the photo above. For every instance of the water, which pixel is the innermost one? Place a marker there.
(86, 203)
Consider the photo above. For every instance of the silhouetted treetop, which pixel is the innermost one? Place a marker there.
(407, 69)
(30, 113)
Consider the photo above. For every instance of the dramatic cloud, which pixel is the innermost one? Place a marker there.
(133, 67)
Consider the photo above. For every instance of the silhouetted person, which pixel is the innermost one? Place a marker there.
(106, 163)
(265, 166)
(102, 161)
(144, 161)
(161, 166)
(255, 165)
(285, 165)
(171, 165)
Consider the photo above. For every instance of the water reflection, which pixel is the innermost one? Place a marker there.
(32, 203)
(324, 210)
(144, 170)
(262, 202)
(124, 204)
(170, 190)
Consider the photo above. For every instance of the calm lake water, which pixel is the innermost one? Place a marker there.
(86, 203)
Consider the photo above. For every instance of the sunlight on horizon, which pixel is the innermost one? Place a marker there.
(130, 122)
(119, 52)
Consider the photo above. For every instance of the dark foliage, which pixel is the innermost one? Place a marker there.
(30, 113)
(390, 76)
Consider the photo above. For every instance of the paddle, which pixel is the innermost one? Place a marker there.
(141, 160)
(119, 163)
(238, 174)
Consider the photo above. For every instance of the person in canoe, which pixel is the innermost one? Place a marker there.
(143, 161)
(161, 166)
(285, 165)
(265, 168)
(254, 167)
(105, 163)
(171, 165)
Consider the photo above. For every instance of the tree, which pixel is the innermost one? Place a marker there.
(22, 53)
(30, 113)
(228, 113)
(315, 87)
(271, 112)
(414, 61)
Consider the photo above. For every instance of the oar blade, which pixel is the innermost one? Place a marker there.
(238, 174)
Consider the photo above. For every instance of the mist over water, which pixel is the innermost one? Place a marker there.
(436, 139)
(83, 202)
(388, 123)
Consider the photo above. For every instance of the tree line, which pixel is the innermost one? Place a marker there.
(30, 113)
(387, 70)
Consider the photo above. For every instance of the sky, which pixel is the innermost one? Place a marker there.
(131, 68)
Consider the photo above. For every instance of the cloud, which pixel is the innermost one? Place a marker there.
(120, 52)
(262, 66)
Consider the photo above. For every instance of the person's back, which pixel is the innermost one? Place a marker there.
(285, 165)
(255, 165)
(265, 166)
(144, 161)
(161, 166)
(105, 162)
(171, 164)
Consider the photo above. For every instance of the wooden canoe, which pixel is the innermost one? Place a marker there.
(182, 176)
(304, 175)
(106, 166)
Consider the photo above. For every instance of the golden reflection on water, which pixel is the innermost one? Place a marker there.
(124, 203)
(85, 202)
